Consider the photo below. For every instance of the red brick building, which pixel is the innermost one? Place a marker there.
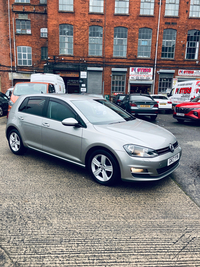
(101, 46)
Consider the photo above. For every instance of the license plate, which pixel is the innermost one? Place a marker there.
(162, 103)
(173, 159)
(180, 114)
(145, 106)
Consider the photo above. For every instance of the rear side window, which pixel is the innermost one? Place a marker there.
(33, 106)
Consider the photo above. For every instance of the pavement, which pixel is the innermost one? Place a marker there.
(53, 214)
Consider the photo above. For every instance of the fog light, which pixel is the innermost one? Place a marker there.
(195, 113)
(137, 170)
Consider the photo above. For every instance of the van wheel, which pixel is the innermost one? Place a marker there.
(103, 167)
(15, 142)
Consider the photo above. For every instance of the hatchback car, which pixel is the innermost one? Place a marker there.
(140, 105)
(3, 104)
(164, 104)
(94, 133)
(118, 98)
(188, 110)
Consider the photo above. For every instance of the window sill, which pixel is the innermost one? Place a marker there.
(168, 16)
(171, 59)
(121, 14)
(97, 13)
(143, 15)
(193, 17)
(65, 11)
(147, 58)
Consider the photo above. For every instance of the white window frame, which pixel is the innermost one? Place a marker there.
(120, 43)
(165, 43)
(26, 29)
(24, 56)
(172, 8)
(121, 6)
(66, 5)
(118, 83)
(147, 7)
(66, 40)
(22, 1)
(144, 43)
(192, 44)
(95, 40)
(44, 32)
(96, 6)
(195, 9)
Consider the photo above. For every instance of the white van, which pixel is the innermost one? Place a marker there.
(184, 91)
(54, 79)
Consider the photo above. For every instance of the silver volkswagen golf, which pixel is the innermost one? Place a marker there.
(94, 133)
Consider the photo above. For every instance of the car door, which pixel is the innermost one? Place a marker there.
(30, 120)
(60, 140)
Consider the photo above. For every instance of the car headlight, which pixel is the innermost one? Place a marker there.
(140, 151)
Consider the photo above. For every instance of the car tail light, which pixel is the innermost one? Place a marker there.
(155, 106)
(133, 105)
(169, 102)
(118, 100)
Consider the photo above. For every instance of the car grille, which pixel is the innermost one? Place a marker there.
(167, 168)
(166, 149)
(183, 110)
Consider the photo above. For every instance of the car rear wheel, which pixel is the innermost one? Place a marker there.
(153, 117)
(103, 167)
(15, 142)
(1, 111)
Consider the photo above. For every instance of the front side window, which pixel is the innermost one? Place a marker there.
(44, 32)
(144, 42)
(24, 56)
(96, 6)
(164, 83)
(118, 83)
(22, 1)
(66, 5)
(120, 42)
(121, 6)
(195, 8)
(192, 47)
(147, 7)
(23, 26)
(172, 8)
(33, 106)
(168, 44)
(66, 39)
(95, 40)
(58, 111)
(44, 53)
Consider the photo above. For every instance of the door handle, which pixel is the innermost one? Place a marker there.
(21, 118)
(45, 124)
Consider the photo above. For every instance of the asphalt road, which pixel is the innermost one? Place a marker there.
(53, 214)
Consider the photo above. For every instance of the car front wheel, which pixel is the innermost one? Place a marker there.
(1, 111)
(15, 142)
(103, 167)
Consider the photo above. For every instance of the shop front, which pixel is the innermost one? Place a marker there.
(187, 75)
(140, 80)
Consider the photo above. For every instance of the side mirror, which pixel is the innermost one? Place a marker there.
(70, 122)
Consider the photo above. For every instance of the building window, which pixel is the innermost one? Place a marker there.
(66, 5)
(195, 8)
(120, 42)
(168, 44)
(44, 32)
(24, 56)
(192, 47)
(44, 53)
(22, 1)
(95, 40)
(43, 1)
(147, 7)
(118, 83)
(164, 83)
(66, 39)
(121, 6)
(172, 8)
(96, 6)
(144, 42)
(23, 26)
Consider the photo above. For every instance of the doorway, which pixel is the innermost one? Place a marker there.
(140, 89)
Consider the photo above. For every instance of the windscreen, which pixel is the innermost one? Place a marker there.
(30, 88)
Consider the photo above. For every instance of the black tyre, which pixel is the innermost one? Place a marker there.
(103, 167)
(180, 121)
(1, 111)
(15, 142)
(153, 117)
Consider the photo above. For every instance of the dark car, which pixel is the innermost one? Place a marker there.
(140, 105)
(188, 110)
(118, 98)
(3, 104)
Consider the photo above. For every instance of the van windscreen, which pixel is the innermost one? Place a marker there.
(30, 88)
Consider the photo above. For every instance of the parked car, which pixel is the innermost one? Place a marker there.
(140, 105)
(3, 104)
(164, 104)
(118, 98)
(9, 92)
(188, 110)
(92, 132)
